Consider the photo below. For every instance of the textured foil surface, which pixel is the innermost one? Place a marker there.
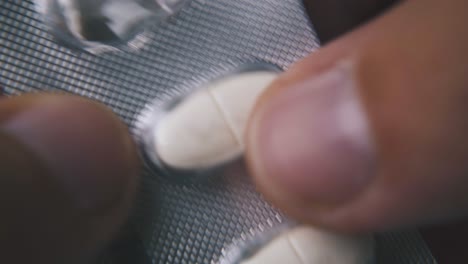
(177, 222)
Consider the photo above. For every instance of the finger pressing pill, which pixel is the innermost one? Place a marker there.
(205, 129)
(309, 245)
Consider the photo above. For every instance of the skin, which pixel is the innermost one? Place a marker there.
(68, 177)
(407, 71)
(69, 168)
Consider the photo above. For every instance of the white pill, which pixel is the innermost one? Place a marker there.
(309, 245)
(207, 128)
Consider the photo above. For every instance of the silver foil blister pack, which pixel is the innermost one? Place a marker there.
(177, 222)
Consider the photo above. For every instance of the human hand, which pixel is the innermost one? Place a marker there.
(68, 174)
(369, 133)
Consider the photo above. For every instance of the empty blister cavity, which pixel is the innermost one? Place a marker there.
(309, 245)
(205, 129)
(103, 25)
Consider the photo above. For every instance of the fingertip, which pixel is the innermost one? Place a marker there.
(77, 177)
(309, 146)
(84, 145)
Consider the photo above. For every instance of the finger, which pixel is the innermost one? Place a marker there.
(369, 133)
(333, 18)
(67, 178)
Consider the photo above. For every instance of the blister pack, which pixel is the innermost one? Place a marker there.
(177, 222)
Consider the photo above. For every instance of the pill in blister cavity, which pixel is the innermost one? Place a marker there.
(205, 129)
(309, 245)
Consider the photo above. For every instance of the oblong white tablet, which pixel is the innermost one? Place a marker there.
(236, 97)
(194, 135)
(207, 128)
(309, 245)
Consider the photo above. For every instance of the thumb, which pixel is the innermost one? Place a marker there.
(369, 133)
(67, 179)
